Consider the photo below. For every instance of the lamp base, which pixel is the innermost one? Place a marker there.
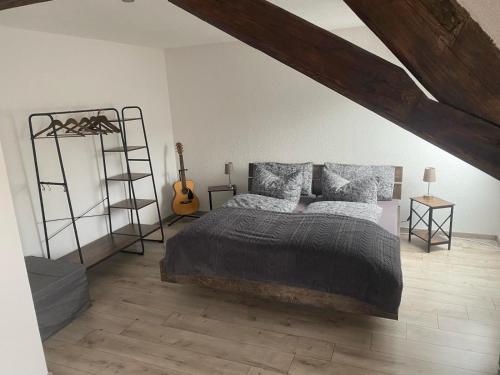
(428, 195)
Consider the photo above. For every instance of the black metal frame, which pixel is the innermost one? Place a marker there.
(148, 159)
(41, 184)
(428, 224)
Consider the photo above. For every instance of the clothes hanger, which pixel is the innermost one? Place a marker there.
(108, 123)
(93, 126)
(103, 120)
(55, 125)
(87, 127)
(98, 126)
(72, 121)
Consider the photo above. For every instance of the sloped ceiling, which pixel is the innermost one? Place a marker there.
(155, 23)
(362, 77)
(79, 18)
(443, 47)
(487, 14)
(331, 60)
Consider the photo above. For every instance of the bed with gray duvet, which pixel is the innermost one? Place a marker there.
(309, 234)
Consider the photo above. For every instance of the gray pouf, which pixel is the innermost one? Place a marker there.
(60, 292)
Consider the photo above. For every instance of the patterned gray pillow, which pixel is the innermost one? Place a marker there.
(332, 182)
(283, 169)
(337, 188)
(383, 174)
(284, 187)
(260, 202)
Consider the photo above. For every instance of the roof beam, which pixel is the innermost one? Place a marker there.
(7, 4)
(359, 75)
(443, 47)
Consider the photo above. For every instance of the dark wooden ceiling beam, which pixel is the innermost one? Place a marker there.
(355, 73)
(443, 47)
(7, 4)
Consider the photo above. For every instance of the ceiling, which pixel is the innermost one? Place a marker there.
(153, 22)
(486, 13)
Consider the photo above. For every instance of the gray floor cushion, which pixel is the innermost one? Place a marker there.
(60, 292)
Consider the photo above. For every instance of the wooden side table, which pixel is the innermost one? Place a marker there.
(432, 238)
(219, 188)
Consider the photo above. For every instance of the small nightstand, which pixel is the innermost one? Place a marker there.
(432, 238)
(219, 188)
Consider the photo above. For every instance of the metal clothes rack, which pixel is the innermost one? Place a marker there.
(118, 239)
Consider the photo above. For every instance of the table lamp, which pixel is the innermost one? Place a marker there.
(429, 176)
(227, 170)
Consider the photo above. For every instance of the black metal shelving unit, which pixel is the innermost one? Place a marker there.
(118, 239)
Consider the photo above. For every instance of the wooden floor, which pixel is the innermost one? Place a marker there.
(449, 324)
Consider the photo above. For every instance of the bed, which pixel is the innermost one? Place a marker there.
(327, 260)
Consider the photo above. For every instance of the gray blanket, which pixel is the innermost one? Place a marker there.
(336, 254)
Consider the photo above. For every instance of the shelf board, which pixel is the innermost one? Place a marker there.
(122, 149)
(125, 177)
(133, 230)
(424, 235)
(101, 249)
(129, 203)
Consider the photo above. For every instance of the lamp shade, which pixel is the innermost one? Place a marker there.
(228, 168)
(430, 174)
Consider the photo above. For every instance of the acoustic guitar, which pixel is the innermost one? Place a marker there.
(185, 202)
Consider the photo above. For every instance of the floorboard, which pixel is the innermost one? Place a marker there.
(449, 323)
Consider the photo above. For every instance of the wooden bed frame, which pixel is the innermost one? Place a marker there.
(284, 293)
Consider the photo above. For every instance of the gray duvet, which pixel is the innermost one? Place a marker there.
(336, 254)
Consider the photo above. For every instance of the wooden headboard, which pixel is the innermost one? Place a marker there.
(318, 172)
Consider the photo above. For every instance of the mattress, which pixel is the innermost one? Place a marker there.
(390, 218)
(60, 292)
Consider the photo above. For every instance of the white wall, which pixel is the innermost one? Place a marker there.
(230, 102)
(46, 72)
(20, 344)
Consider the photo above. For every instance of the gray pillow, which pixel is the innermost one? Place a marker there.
(337, 188)
(383, 174)
(260, 202)
(284, 187)
(283, 169)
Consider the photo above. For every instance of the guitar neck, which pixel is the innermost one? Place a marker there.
(182, 171)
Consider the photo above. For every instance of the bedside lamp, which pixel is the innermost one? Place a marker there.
(227, 170)
(429, 176)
